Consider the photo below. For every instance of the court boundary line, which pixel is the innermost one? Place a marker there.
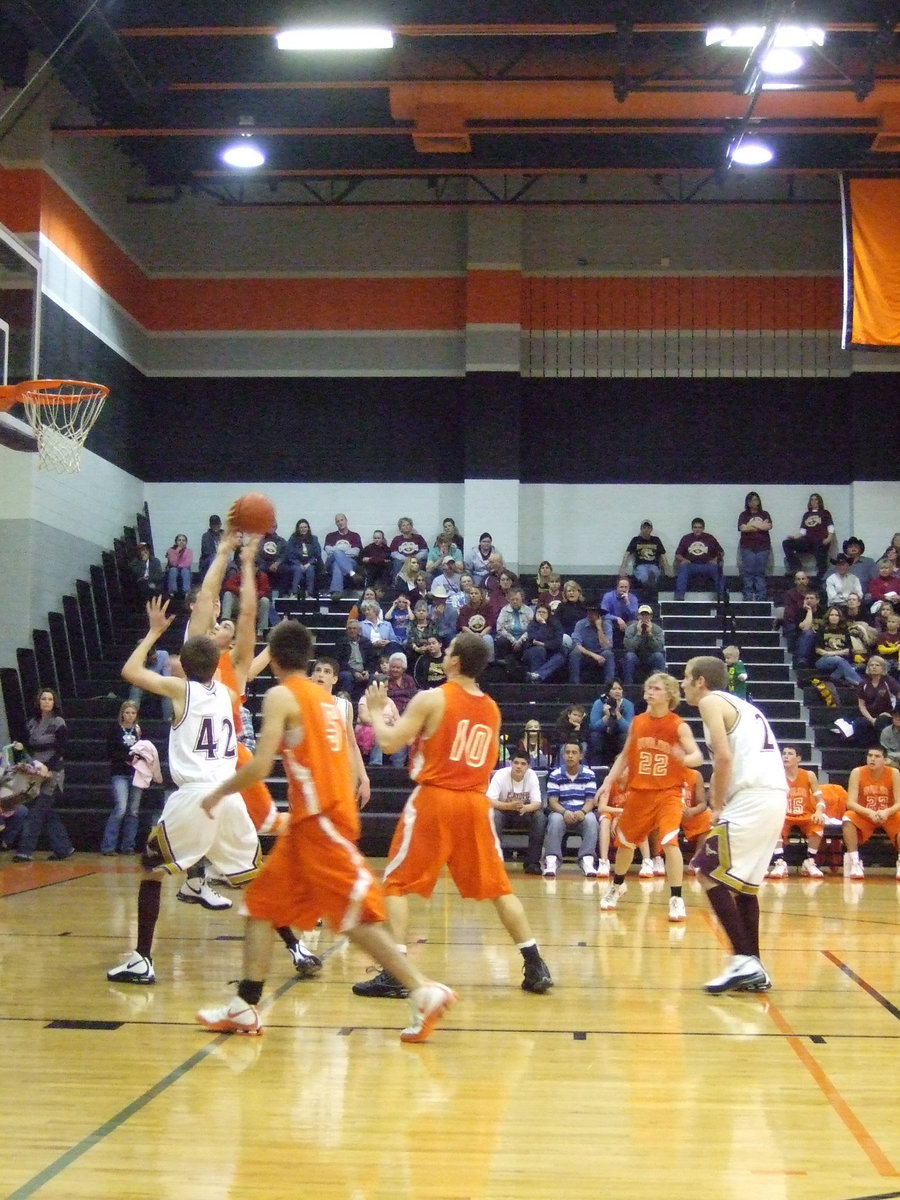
(860, 982)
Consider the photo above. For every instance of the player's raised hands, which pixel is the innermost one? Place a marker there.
(158, 615)
(376, 697)
(250, 548)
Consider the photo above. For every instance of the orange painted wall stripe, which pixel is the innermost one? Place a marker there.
(493, 297)
(20, 200)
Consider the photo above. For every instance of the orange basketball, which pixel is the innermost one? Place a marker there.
(253, 513)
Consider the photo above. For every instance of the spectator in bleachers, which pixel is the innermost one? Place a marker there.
(793, 609)
(811, 622)
(862, 567)
(644, 645)
(399, 616)
(890, 740)
(873, 802)
(408, 543)
(160, 661)
(428, 671)
(543, 653)
(401, 687)
(179, 560)
(571, 609)
(126, 798)
(542, 579)
(476, 615)
(887, 642)
(571, 789)
(448, 526)
(619, 607)
(645, 559)
(840, 585)
(552, 597)
(816, 536)
(885, 586)
(442, 549)
(377, 629)
(303, 556)
(363, 739)
(737, 672)
(591, 656)
(754, 546)
(357, 659)
(877, 697)
(833, 649)
(147, 572)
(478, 559)
(209, 543)
(45, 740)
(499, 599)
(231, 589)
(450, 579)
(375, 560)
(341, 553)
(271, 562)
(512, 625)
(536, 745)
(571, 726)
(892, 550)
(515, 796)
(444, 614)
(420, 629)
(608, 724)
(698, 557)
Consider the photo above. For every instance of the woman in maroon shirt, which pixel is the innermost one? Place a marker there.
(815, 537)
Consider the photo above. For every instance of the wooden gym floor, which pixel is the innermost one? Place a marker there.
(627, 1079)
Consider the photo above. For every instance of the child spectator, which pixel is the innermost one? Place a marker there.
(737, 672)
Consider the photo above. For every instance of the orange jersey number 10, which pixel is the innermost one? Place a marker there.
(471, 745)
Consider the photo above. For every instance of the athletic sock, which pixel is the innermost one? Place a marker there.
(149, 895)
(618, 880)
(287, 935)
(251, 990)
(748, 910)
(676, 891)
(722, 900)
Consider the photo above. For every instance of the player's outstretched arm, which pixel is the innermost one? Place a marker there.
(422, 715)
(245, 637)
(693, 755)
(203, 612)
(278, 706)
(136, 673)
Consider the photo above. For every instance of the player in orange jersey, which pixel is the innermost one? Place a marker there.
(696, 818)
(873, 802)
(658, 748)
(447, 821)
(315, 868)
(805, 811)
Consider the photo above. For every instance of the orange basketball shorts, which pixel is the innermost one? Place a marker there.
(867, 828)
(647, 810)
(698, 826)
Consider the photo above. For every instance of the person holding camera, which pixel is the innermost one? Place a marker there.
(645, 646)
(609, 722)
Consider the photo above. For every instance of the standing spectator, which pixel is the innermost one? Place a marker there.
(543, 655)
(645, 558)
(147, 572)
(698, 556)
(209, 543)
(408, 542)
(609, 721)
(645, 647)
(341, 554)
(571, 789)
(179, 560)
(126, 798)
(478, 559)
(303, 556)
(515, 796)
(737, 672)
(376, 562)
(754, 546)
(815, 537)
(45, 741)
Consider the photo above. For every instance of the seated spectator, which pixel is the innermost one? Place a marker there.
(542, 654)
(448, 527)
(369, 596)
(410, 580)
(209, 543)
(364, 723)
(357, 659)
(442, 549)
(553, 596)
(231, 590)
(270, 560)
(450, 579)
(408, 542)
(698, 557)
(887, 642)
(377, 629)
(490, 585)
(890, 740)
(303, 557)
(476, 614)
(542, 579)
(840, 585)
(515, 797)
(892, 551)
(619, 607)
(500, 598)
(884, 586)
(645, 559)
(793, 609)
(571, 789)
(429, 669)
(645, 649)
(807, 629)
(571, 609)
(571, 726)
(536, 746)
(737, 672)
(179, 560)
(512, 625)
(340, 554)
(754, 546)
(608, 724)
(147, 572)
(863, 636)
(878, 697)
(444, 614)
(401, 687)
(863, 568)
(833, 649)
(399, 617)
(591, 657)
(375, 559)
(420, 629)
(478, 559)
(816, 536)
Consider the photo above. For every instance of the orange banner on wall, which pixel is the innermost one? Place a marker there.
(871, 263)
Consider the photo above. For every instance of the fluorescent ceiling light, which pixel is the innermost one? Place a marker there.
(781, 85)
(336, 38)
(745, 37)
(244, 155)
(781, 61)
(751, 153)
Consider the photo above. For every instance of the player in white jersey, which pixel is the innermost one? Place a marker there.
(202, 751)
(748, 795)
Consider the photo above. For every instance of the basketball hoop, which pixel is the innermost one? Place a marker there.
(61, 413)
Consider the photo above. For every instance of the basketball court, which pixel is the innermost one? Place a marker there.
(626, 1076)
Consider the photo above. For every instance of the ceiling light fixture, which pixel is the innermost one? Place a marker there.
(781, 60)
(349, 37)
(745, 37)
(750, 153)
(243, 155)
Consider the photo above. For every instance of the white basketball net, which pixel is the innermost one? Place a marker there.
(61, 413)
